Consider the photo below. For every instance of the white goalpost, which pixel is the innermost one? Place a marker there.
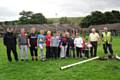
(71, 65)
(117, 57)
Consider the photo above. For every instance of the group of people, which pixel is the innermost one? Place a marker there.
(54, 45)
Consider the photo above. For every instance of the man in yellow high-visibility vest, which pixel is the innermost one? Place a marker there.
(107, 41)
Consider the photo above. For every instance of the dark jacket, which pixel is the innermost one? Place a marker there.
(71, 42)
(64, 41)
(9, 39)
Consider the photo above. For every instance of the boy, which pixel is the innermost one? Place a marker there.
(68, 45)
(41, 41)
(32, 42)
(72, 46)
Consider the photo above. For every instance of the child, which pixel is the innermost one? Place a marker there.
(32, 42)
(48, 39)
(68, 45)
(78, 42)
(59, 38)
(63, 45)
(72, 46)
(23, 44)
(41, 41)
(54, 46)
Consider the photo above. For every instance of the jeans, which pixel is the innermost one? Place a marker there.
(107, 47)
(23, 48)
(42, 56)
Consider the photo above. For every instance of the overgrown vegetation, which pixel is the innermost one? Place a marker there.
(98, 17)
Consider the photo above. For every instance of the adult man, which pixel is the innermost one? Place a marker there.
(23, 44)
(10, 43)
(107, 41)
(94, 39)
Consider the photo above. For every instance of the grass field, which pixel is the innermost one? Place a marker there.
(49, 70)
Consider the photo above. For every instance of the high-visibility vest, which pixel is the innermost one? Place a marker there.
(107, 37)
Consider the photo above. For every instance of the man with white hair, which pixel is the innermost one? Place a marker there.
(107, 41)
(94, 39)
(23, 44)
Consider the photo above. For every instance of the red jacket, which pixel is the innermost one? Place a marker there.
(48, 39)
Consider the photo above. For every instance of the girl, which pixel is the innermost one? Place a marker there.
(48, 39)
(63, 45)
(78, 42)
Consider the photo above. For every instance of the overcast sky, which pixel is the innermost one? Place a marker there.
(9, 9)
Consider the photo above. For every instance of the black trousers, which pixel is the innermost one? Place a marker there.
(54, 52)
(13, 49)
(86, 52)
(59, 50)
(33, 51)
(48, 52)
(67, 52)
(79, 52)
(93, 49)
(107, 47)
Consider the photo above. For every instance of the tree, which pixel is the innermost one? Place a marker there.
(28, 17)
(38, 18)
(25, 17)
(98, 17)
(86, 21)
(116, 15)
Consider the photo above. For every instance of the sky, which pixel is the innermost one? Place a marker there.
(10, 9)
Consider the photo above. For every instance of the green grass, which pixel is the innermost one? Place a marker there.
(49, 70)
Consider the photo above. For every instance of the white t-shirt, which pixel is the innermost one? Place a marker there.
(78, 42)
(94, 37)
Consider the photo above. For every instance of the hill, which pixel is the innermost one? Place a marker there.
(73, 20)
